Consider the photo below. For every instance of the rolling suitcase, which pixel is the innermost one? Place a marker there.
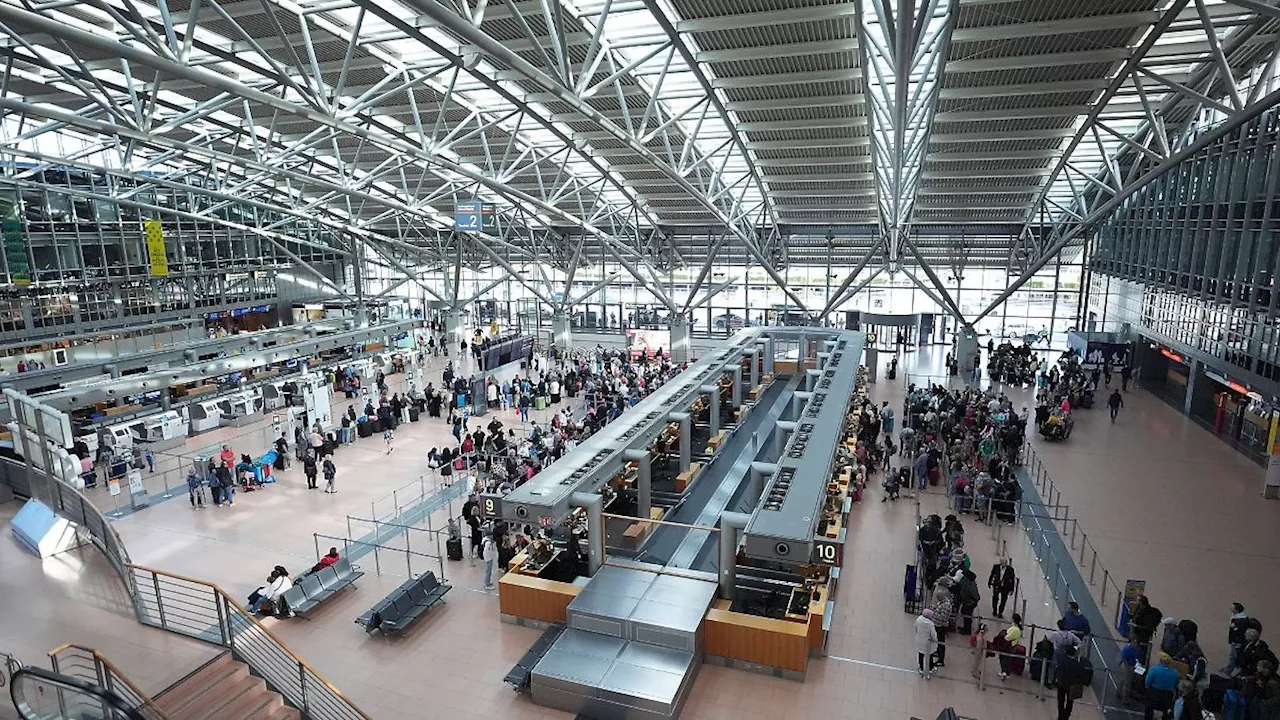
(1018, 663)
(454, 548)
(364, 429)
(414, 413)
(540, 403)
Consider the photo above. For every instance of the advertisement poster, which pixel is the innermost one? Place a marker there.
(155, 248)
(135, 481)
(1099, 353)
(113, 485)
(1132, 589)
(648, 342)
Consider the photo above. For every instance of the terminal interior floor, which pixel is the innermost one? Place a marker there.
(1161, 499)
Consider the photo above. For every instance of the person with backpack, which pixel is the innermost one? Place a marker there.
(330, 472)
(195, 490)
(1073, 675)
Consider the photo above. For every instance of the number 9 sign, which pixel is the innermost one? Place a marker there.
(490, 506)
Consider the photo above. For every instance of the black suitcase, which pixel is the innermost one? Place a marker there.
(454, 548)
(364, 429)
(414, 413)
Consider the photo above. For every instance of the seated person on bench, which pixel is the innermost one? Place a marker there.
(263, 600)
(326, 561)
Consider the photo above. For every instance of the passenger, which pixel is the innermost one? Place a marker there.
(195, 489)
(1236, 626)
(1144, 623)
(330, 472)
(228, 484)
(1002, 582)
(1161, 682)
(488, 553)
(328, 559)
(927, 642)
(1075, 621)
(1072, 677)
(1010, 656)
(309, 469)
(227, 457)
(942, 608)
(268, 596)
(1062, 639)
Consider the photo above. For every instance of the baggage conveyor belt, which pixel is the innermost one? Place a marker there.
(720, 486)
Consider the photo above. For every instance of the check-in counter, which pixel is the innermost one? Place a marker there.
(817, 616)
(756, 642)
(527, 598)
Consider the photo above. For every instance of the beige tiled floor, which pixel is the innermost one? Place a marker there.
(1138, 487)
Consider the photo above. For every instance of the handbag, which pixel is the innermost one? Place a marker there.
(1075, 692)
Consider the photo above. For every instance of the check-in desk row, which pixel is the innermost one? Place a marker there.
(775, 646)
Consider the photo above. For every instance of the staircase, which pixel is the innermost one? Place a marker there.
(223, 690)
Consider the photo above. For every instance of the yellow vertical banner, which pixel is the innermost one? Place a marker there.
(155, 247)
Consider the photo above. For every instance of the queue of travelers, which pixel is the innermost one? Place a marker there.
(1167, 676)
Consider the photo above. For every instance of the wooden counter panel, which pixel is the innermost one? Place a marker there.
(535, 598)
(817, 612)
(754, 639)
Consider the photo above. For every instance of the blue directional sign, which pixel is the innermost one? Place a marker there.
(467, 216)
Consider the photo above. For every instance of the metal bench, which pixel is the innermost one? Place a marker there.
(316, 588)
(404, 605)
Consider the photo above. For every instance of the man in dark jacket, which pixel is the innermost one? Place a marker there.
(968, 598)
(1114, 403)
(1240, 621)
(1143, 624)
(1002, 582)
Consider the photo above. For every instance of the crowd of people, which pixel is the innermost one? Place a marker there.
(972, 439)
(501, 459)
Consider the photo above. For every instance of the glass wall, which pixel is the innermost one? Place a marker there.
(731, 297)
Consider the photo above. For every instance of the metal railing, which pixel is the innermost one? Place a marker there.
(1083, 550)
(204, 611)
(71, 504)
(968, 662)
(87, 664)
(352, 549)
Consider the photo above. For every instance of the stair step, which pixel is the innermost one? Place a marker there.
(242, 700)
(276, 710)
(198, 690)
(224, 689)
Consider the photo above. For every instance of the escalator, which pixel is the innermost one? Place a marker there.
(46, 695)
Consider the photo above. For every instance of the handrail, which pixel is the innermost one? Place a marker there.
(68, 696)
(231, 625)
(1050, 496)
(105, 674)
